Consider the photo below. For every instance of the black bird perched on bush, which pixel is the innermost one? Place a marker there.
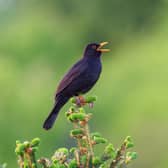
(80, 79)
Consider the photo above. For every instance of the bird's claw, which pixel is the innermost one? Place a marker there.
(91, 105)
(80, 101)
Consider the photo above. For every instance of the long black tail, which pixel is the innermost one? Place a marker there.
(49, 122)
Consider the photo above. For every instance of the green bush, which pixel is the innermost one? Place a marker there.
(82, 155)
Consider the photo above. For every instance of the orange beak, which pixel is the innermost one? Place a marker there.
(103, 49)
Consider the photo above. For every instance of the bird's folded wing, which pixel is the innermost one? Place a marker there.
(72, 74)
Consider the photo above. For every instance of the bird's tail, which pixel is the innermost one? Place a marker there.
(49, 122)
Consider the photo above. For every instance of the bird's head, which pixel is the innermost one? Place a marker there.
(95, 49)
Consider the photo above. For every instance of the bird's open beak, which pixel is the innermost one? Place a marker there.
(103, 49)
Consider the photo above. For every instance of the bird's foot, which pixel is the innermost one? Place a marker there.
(80, 101)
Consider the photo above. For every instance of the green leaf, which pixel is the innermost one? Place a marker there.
(83, 159)
(58, 165)
(77, 132)
(128, 142)
(73, 164)
(81, 110)
(91, 99)
(18, 142)
(109, 151)
(73, 100)
(35, 142)
(72, 150)
(95, 134)
(35, 149)
(63, 150)
(96, 161)
(26, 144)
(130, 156)
(77, 117)
(20, 149)
(99, 140)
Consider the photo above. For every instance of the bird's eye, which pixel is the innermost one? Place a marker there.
(94, 47)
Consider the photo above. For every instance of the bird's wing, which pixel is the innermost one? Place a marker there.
(72, 74)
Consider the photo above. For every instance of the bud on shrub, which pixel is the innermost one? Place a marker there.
(72, 150)
(73, 164)
(63, 150)
(96, 161)
(77, 117)
(77, 132)
(109, 151)
(34, 165)
(130, 156)
(26, 144)
(18, 142)
(129, 142)
(99, 140)
(34, 149)
(60, 154)
(90, 99)
(83, 159)
(20, 149)
(95, 134)
(35, 142)
(81, 110)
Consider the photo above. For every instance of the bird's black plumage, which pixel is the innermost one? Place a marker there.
(79, 80)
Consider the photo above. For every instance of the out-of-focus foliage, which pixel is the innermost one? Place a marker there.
(41, 39)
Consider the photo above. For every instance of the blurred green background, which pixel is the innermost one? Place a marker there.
(40, 40)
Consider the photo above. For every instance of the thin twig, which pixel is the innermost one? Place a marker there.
(77, 158)
(89, 139)
(119, 157)
(78, 140)
(33, 159)
(21, 161)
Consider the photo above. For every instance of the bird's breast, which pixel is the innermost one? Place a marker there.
(94, 70)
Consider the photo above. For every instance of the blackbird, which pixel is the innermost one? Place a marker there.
(79, 79)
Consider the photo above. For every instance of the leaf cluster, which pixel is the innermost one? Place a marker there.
(82, 155)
